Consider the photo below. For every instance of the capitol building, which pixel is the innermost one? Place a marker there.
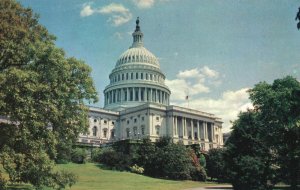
(137, 106)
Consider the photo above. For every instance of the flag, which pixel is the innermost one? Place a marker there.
(187, 97)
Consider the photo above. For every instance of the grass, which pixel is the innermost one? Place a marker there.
(94, 177)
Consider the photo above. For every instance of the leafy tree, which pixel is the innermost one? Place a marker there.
(42, 96)
(79, 155)
(173, 161)
(278, 106)
(215, 164)
(247, 158)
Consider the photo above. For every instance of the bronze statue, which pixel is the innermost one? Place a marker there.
(298, 18)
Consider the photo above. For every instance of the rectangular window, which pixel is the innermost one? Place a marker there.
(136, 75)
(126, 76)
(142, 75)
(122, 76)
(131, 75)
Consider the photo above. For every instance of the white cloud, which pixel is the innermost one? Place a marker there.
(197, 81)
(193, 73)
(118, 14)
(192, 82)
(143, 4)
(209, 72)
(86, 10)
(227, 107)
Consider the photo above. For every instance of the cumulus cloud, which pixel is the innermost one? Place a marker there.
(86, 10)
(209, 72)
(118, 14)
(143, 4)
(227, 107)
(199, 81)
(193, 82)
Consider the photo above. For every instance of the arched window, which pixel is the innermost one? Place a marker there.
(94, 131)
(104, 133)
(112, 133)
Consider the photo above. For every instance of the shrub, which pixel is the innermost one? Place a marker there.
(136, 169)
(216, 164)
(3, 183)
(198, 174)
(173, 162)
(114, 160)
(95, 156)
(79, 156)
(63, 179)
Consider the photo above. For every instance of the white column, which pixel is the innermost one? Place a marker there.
(173, 124)
(151, 93)
(198, 130)
(184, 127)
(145, 95)
(140, 94)
(176, 126)
(205, 131)
(122, 94)
(133, 94)
(192, 129)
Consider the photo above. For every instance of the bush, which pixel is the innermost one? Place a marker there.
(95, 156)
(216, 164)
(136, 169)
(114, 160)
(79, 156)
(63, 179)
(198, 174)
(3, 183)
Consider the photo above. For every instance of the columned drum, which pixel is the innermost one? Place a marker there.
(136, 78)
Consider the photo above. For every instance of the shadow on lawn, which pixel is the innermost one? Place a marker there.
(104, 167)
(19, 187)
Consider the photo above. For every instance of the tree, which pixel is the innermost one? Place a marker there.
(42, 97)
(247, 158)
(215, 164)
(278, 106)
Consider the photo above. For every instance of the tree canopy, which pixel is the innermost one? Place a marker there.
(265, 142)
(42, 97)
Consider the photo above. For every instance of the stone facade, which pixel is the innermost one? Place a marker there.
(137, 105)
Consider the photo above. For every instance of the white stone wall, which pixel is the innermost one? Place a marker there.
(154, 121)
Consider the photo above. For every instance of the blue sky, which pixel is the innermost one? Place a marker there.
(213, 50)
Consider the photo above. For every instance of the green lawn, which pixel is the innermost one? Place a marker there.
(93, 177)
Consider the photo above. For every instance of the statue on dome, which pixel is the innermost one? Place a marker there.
(298, 18)
(137, 28)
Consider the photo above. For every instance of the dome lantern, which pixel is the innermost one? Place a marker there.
(137, 35)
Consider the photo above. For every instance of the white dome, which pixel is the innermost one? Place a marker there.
(137, 55)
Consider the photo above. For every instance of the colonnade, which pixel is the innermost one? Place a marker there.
(193, 129)
(141, 94)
